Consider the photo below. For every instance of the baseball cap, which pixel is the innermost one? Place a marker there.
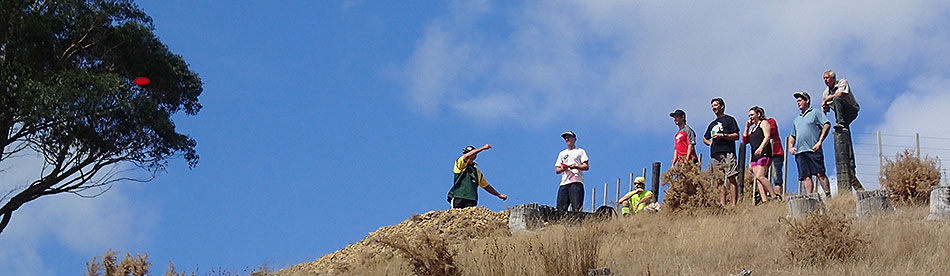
(802, 94)
(678, 112)
(468, 149)
(640, 180)
(568, 133)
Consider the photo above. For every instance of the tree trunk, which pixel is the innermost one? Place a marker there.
(871, 202)
(802, 205)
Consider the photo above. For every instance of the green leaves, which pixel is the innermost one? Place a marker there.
(66, 91)
(74, 62)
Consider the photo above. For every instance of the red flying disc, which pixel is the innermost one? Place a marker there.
(142, 81)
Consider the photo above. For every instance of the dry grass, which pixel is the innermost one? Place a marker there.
(561, 250)
(139, 266)
(822, 238)
(749, 237)
(754, 238)
(690, 189)
(908, 179)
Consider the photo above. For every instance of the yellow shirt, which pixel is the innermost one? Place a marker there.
(634, 198)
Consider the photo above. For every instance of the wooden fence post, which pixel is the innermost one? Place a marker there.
(740, 183)
(593, 200)
(617, 201)
(656, 181)
(843, 159)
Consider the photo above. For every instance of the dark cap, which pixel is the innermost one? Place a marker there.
(568, 133)
(802, 94)
(678, 112)
(468, 149)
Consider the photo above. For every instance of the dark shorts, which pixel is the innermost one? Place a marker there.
(726, 162)
(463, 203)
(809, 164)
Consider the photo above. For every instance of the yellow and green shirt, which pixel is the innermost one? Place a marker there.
(466, 181)
(634, 198)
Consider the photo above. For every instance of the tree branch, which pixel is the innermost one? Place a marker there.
(6, 220)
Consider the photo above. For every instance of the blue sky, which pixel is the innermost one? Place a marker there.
(324, 120)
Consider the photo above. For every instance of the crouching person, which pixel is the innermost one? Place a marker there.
(638, 199)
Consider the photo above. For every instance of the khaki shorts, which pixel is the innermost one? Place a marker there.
(726, 162)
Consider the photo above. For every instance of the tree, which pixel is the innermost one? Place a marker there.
(66, 70)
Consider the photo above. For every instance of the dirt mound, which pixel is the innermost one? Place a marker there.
(454, 227)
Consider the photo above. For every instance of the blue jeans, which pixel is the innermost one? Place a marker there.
(571, 195)
(777, 163)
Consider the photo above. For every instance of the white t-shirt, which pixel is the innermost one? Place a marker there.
(574, 156)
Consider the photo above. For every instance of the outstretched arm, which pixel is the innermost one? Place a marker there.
(470, 156)
(491, 190)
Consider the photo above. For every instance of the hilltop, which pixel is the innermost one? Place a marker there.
(475, 241)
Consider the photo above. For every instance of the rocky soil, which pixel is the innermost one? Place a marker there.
(455, 227)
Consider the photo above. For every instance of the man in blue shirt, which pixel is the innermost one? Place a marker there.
(809, 130)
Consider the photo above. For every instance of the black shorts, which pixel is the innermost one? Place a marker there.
(462, 203)
(809, 164)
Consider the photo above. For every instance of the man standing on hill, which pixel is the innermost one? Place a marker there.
(571, 164)
(684, 143)
(809, 129)
(464, 192)
(721, 136)
(636, 200)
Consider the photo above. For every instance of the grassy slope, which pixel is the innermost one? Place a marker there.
(664, 244)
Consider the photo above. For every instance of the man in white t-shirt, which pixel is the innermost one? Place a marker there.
(571, 164)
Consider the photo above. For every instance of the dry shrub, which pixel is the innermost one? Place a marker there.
(690, 189)
(129, 266)
(820, 239)
(428, 254)
(908, 179)
(749, 185)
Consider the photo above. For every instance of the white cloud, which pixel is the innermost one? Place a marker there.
(630, 63)
(75, 225)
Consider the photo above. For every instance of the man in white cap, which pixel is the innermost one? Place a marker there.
(571, 164)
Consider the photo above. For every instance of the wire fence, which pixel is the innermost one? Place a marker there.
(871, 150)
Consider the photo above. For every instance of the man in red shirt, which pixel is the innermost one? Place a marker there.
(684, 143)
(778, 156)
